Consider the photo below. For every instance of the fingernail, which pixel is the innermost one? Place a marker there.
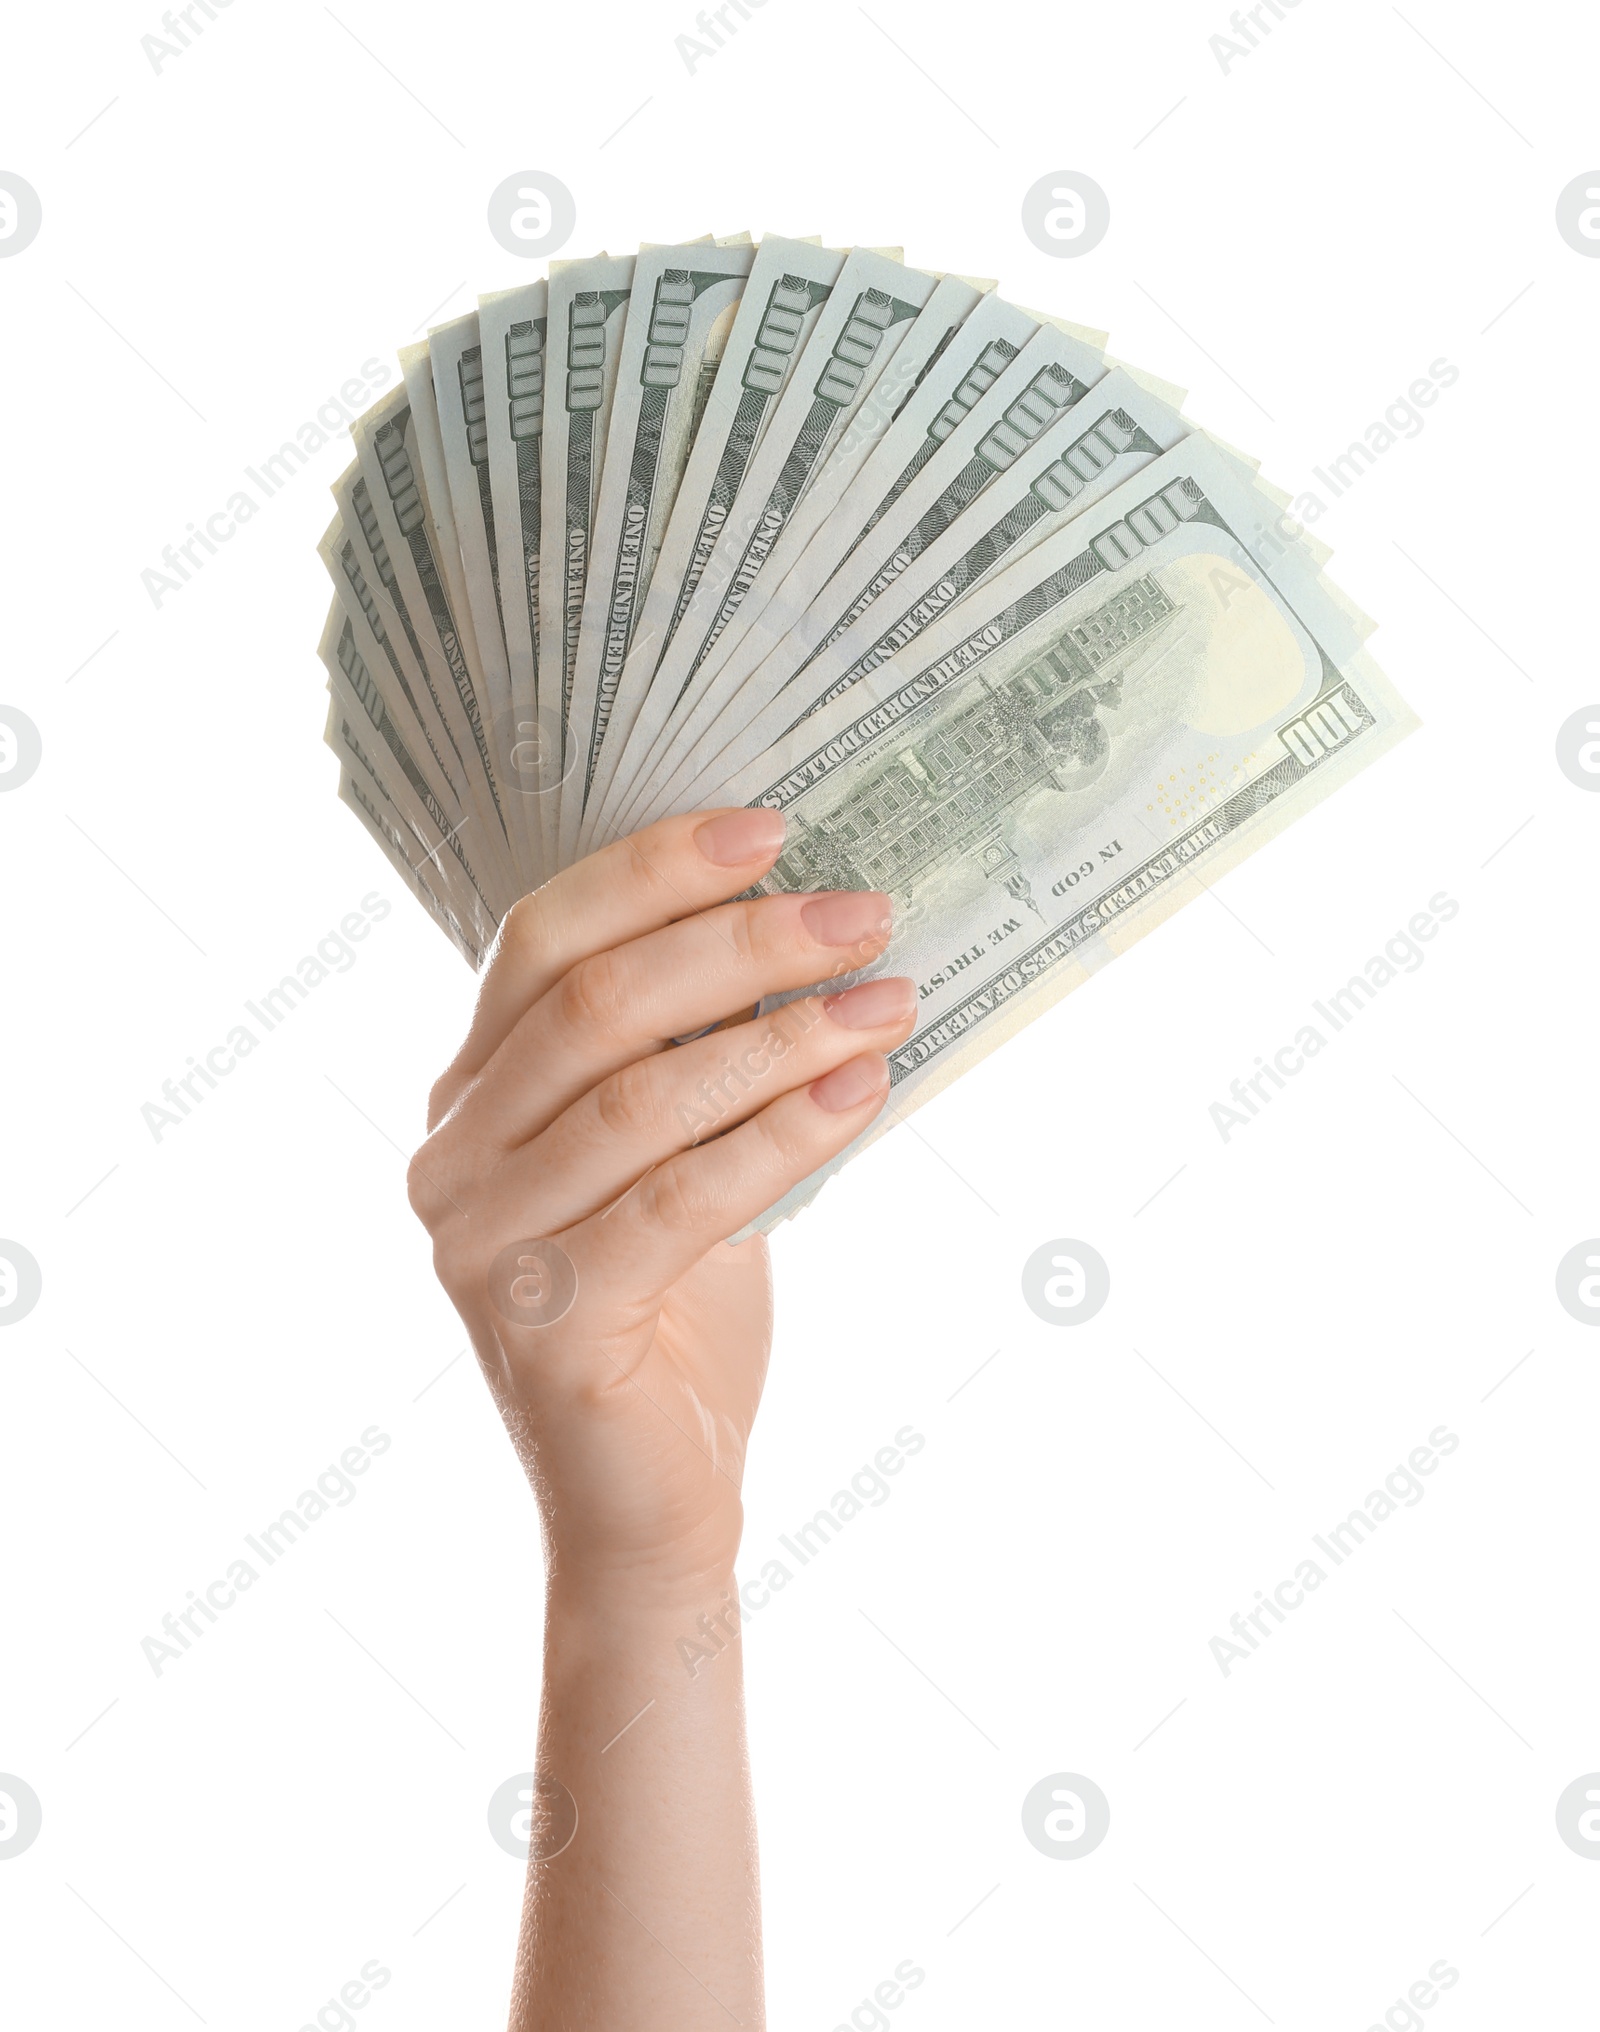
(872, 1004)
(740, 836)
(852, 1085)
(847, 916)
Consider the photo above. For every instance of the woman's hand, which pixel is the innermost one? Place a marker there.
(579, 1179)
(627, 1351)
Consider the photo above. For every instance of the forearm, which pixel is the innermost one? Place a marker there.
(649, 1917)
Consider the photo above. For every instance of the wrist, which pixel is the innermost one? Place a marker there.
(640, 1633)
(626, 1596)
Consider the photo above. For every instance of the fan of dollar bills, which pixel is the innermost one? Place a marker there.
(972, 605)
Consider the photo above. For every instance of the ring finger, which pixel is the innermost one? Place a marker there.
(618, 1006)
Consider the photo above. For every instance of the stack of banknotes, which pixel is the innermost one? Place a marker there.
(969, 602)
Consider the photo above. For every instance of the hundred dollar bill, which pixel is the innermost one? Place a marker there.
(445, 382)
(983, 348)
(507, 381)
(588, 310)
(373, 748)
(455, 364)
(1057, 764)
(386, 451)
(416, 373)
(485, 658)
(1109, 434)
(1032, 395)
(789, 282)
(683, 304)
(455, 359)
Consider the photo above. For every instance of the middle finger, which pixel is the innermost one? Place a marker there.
(670, 1101)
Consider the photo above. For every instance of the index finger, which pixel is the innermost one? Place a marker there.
(672, 869)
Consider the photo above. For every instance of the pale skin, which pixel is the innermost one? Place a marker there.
(570, 1117)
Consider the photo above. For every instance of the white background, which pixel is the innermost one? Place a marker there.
(1294, 1310)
